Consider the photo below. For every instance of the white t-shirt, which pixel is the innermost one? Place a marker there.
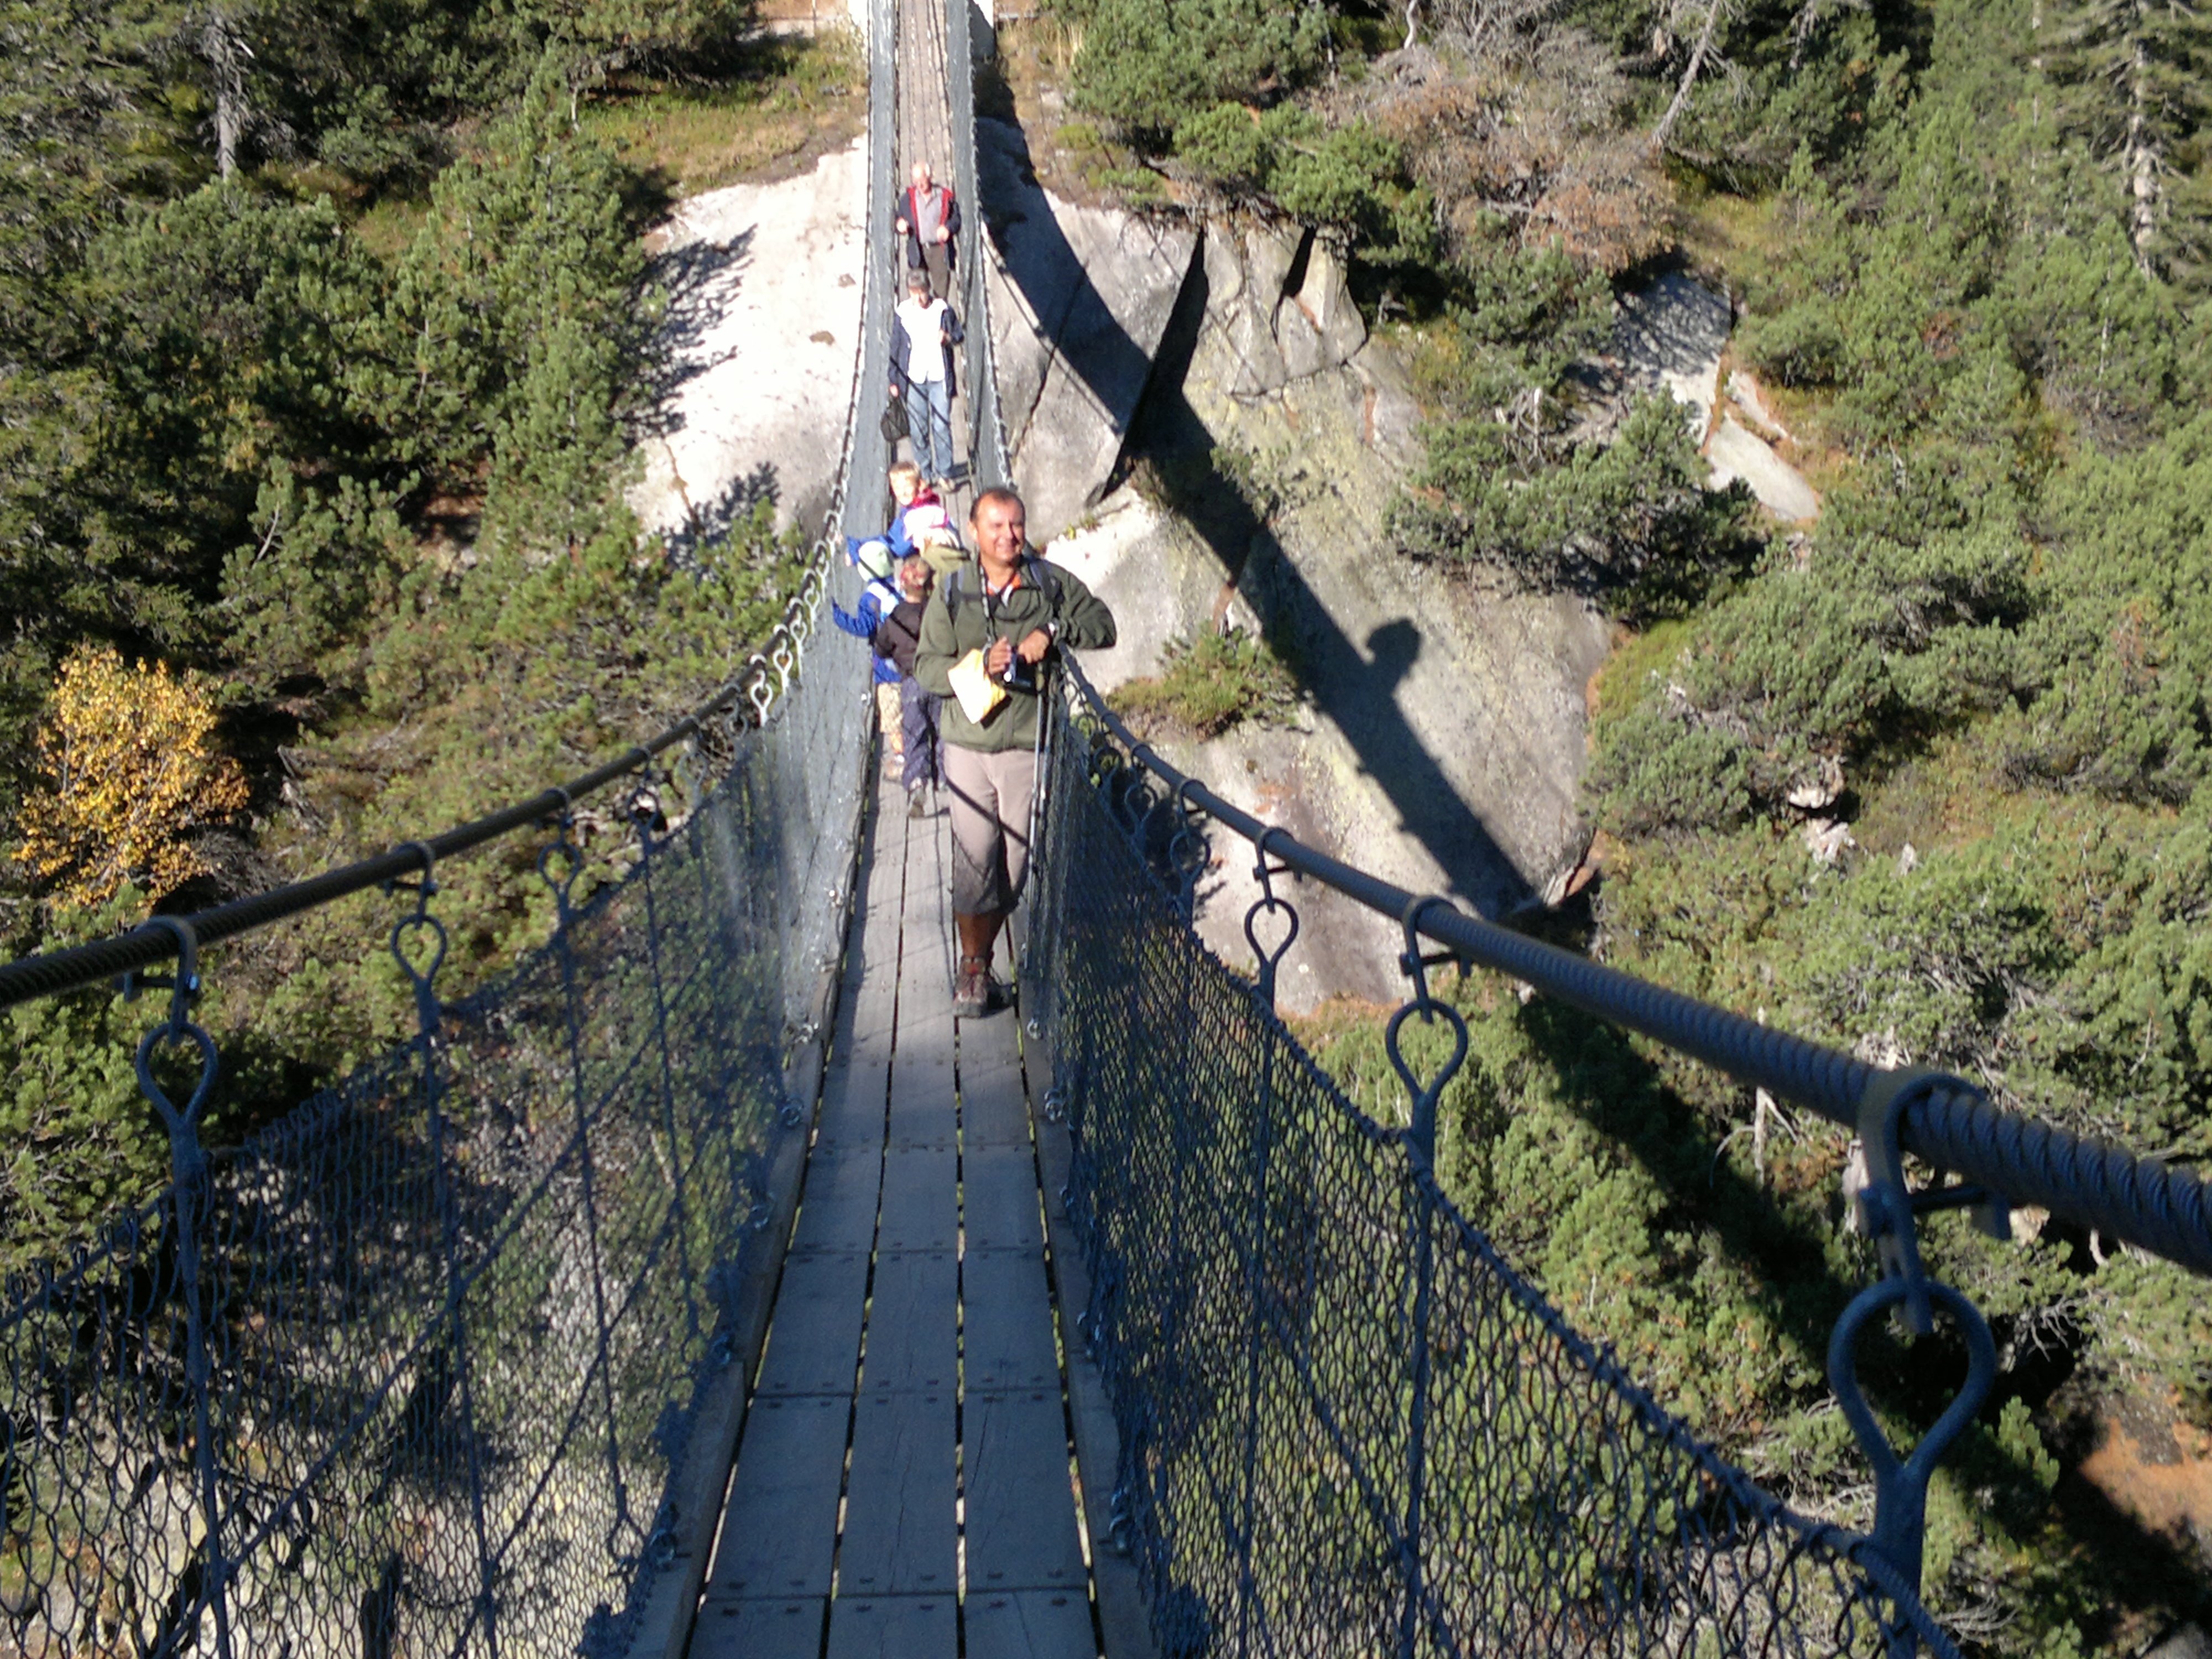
(925, 336)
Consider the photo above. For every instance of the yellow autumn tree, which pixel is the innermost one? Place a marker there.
(131, 771)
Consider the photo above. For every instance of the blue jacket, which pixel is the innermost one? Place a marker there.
(878, 600)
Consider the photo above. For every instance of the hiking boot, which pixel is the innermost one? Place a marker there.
(971, 992)
(917, 804)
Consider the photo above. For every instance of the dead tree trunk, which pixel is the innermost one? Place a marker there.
(2142, 156)
(226, 56)
(1661, 133)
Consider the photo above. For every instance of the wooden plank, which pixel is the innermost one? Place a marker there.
(920, 1203)
(1028, 1625)
(911, 1321)
(837, 1211)
(814, 1342)
(1020, 1504)
(894, 1627)
(923, 1111)
(779, 1532)
(994, 1111)
(852, 1097)
(756, 1628)
(1122, 1616)
(1006, 1324)
(998, 1207)
(899, 1534)
(923, 1108)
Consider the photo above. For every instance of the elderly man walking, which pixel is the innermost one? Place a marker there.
(993, 623)
(928, 216)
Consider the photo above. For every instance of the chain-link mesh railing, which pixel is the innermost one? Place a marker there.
(1347, 1424)
(413, 1372)
(410, 1372)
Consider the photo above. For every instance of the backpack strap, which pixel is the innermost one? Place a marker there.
(1047, 581)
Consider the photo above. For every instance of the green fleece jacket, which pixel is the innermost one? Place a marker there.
(956, 620)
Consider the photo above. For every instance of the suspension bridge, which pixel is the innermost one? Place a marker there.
(705, 1285)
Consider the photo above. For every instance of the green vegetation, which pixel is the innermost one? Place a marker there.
(1208, 684)
(1929, 780)
(321, 331)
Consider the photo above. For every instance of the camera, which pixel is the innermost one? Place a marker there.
(1019, 676)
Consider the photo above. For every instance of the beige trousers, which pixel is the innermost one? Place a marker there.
(991, 796)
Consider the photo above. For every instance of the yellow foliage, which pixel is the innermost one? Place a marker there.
(132, 771)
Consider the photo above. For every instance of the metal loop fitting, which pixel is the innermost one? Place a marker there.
(185, 1157)
(183, 986)
(1901, 1505)
(1424, 1096)
(571, 855)
(1269, 958)
(421, 920)
(1887, 1209)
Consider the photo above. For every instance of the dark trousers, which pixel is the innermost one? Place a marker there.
(937, 260)
(917, 719)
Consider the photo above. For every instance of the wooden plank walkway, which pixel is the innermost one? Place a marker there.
(905, 1484)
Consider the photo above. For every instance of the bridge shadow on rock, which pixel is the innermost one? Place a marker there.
(1354, 684)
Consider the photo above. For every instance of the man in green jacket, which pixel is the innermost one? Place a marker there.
(1015, 608)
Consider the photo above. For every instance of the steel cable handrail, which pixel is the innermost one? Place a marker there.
(2155, 1205)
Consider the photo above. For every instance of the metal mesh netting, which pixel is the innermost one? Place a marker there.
(426, 1350)
(1347, 1424)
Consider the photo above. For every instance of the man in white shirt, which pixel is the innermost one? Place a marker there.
(924, 331)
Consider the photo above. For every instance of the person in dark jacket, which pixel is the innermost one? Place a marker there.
(1016, 610)
(897, 637)
(924, 331)
(928, 216)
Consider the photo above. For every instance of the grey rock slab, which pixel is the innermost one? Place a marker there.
(763, 343)
(1736, 452)
(1671, 336)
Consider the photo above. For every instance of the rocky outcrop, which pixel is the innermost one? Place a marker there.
(1671, 337)
(1441, 739)
(1079, 298)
